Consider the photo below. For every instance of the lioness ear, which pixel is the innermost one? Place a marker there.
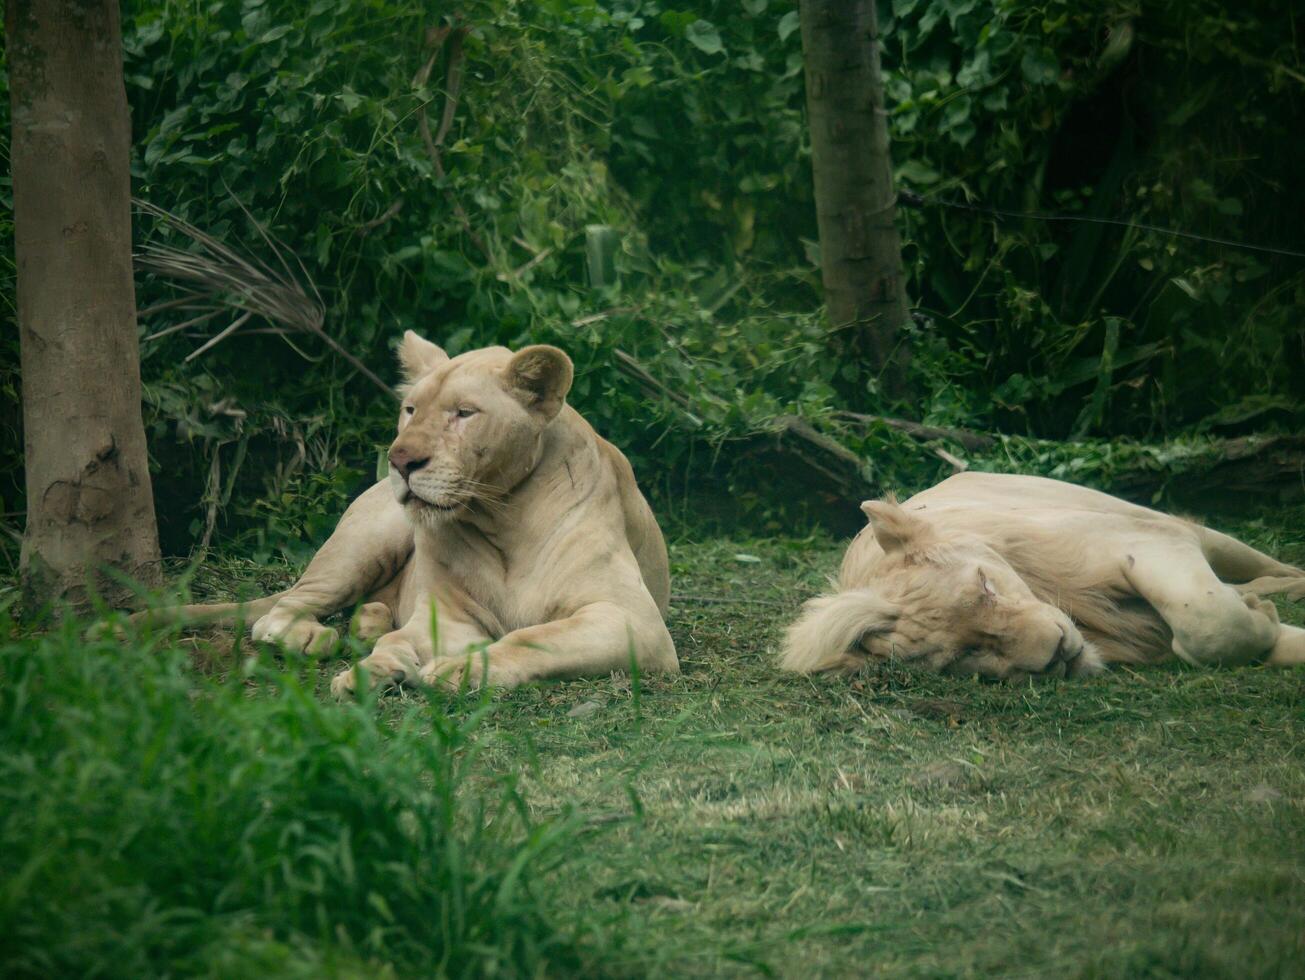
(417, 356)
(539, 377)
(894, 528)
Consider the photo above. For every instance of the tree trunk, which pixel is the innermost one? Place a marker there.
(860, 249)
(89, 502)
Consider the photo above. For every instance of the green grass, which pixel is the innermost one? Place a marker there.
(1147, 823)
(154, 821)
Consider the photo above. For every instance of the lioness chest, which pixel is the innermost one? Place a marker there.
(539, 575)
(475, 580)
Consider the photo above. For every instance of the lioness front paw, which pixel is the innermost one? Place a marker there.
(387, 667)
(105, 630)
(343, 685)
(295, 635)
(470, 670)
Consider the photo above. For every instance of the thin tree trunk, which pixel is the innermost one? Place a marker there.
(89, 501)
(860, 248)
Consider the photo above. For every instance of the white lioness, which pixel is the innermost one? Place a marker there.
(1015, 576)
(509, 544)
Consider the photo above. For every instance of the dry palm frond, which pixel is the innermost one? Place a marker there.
(218, 278)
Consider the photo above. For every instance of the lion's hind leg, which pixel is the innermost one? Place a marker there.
(1257, 574)
(1293, 587)
(1252, 571)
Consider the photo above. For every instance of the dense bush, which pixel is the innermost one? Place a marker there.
(682, 124)
(154, 822)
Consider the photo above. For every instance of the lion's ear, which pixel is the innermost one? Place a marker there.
(539, 377)
(417, 356)
(894, 528)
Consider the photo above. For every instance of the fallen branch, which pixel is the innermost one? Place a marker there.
(1252, 468)
(1268, 469)
(971, 440)
(634, 369)
(801, 429)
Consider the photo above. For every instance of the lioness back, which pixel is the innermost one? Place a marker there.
(641, 528)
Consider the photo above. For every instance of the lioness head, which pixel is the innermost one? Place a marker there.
(955, 605)
(471, 427)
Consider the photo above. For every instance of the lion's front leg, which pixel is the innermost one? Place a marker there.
(1212, 623)
(402, 656)
(367, 549)
(597, 639)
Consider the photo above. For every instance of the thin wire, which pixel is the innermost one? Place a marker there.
(911, 199)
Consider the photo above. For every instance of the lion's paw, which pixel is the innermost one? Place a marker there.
(105, 630)
(448, 672)
(1263, 606)
(344, 684)
(386, 667)
(372, 621)
(299, 635)
(471, 672)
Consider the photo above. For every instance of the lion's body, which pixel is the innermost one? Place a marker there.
(515, 535)
(1138, 584)
(374, 542)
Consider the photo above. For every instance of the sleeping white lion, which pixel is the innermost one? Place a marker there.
(1017, 576)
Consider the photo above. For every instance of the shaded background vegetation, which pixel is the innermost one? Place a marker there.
(682, 125)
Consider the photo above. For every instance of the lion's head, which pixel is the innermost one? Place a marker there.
(471, 427)
(954, 604)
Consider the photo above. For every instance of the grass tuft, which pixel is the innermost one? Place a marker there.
(157, 821)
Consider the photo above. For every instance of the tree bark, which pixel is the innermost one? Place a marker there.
(860, 248)
(89, 500)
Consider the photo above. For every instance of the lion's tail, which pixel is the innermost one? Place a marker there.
(213, 614)
(828, 634)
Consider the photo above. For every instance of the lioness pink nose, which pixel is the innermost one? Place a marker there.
(405, 461)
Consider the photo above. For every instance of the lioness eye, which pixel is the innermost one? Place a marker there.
(409, 409)
(988, 591)
(465, 413)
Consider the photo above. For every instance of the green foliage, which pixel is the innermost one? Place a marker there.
(1167, 114)
(681, 124)
(156, 822)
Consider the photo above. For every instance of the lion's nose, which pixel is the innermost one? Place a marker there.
(405, 461)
